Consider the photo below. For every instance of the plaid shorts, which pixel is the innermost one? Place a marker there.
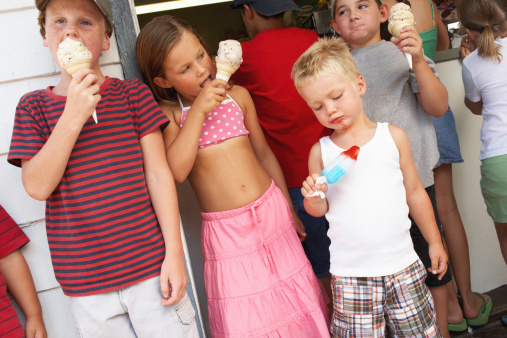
(363, 304)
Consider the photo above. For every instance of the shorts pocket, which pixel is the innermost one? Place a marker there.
(339, 332)
(185, 311)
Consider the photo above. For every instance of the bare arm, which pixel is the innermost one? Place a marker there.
(43, 172)
(442, 35)
(182, 143)
(419, 203)
(160, 183)
(432, 94)
(475, 107)
(20, 283)
(315, 205)
(263, 152)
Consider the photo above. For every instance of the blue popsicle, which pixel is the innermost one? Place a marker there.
(340, 165)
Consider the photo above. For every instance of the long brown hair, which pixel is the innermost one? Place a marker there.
(153, 45)
(486, 17)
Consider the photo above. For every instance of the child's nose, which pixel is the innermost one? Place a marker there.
(331, 109)
(200, 69)
(71, 30)
(354, 14)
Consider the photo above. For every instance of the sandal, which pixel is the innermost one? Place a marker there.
(483, 316)
(459, 327)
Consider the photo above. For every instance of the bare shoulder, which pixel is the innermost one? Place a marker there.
(400, 138)
(170, 109)
(397, 133)
(242, 98)
(237, 90)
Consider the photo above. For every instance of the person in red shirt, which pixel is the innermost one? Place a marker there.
(15, 275)
(288, 124)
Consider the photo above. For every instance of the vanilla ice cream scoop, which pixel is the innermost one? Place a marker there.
(229, 58)
(73, 56)
(400, 16)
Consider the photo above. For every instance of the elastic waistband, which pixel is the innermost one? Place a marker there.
(209, 216)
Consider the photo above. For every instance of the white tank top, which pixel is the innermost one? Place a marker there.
(368, 211)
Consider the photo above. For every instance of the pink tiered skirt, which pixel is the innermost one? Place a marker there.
(258, 280)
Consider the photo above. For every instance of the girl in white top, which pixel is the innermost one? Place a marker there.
(485, 80)
(372, 258)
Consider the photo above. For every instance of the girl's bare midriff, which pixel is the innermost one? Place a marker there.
(237, 178)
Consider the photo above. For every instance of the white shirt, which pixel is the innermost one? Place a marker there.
(486, 79)
(368, 212)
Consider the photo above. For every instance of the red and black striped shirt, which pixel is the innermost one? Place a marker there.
(102, 230)
(11, 239)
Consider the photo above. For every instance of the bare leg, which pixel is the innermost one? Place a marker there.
(326, 281)
(439, 294)
(501, 231)
(457, 246)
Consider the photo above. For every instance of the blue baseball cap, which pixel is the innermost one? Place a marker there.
(267, 7)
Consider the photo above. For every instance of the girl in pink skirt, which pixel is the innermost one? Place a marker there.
(258, 280)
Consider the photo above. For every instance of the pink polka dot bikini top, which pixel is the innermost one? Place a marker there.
(223, 123)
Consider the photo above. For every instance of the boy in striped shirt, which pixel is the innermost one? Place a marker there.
(112, 216)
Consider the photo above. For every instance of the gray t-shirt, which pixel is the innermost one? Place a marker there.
(390, 97)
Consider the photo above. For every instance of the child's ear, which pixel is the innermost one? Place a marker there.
(384, 13)
(361, 85)
(44, 42)
(248, 12)
(472, 34)
(107, 43)
(335, 26)
(162, 83)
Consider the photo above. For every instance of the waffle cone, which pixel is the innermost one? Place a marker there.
(395, 28)
(72, 68)
(225, 70)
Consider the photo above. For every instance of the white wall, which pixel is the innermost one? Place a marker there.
(488, 269)
(26, 66)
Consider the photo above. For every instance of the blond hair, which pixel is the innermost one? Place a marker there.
(327, 56)
(487, 18)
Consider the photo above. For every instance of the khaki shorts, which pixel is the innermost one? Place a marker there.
(494, 187)
(134, 311)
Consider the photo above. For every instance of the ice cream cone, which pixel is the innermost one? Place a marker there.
(73, 56)
(229, 58)
(401, 16)
(225, 71)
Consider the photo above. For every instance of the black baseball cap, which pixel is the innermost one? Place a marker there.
(267, 7)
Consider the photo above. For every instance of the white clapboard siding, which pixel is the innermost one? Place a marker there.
(56, 317)
(26, 66)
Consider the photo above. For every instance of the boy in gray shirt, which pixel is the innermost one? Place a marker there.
(402, 96)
